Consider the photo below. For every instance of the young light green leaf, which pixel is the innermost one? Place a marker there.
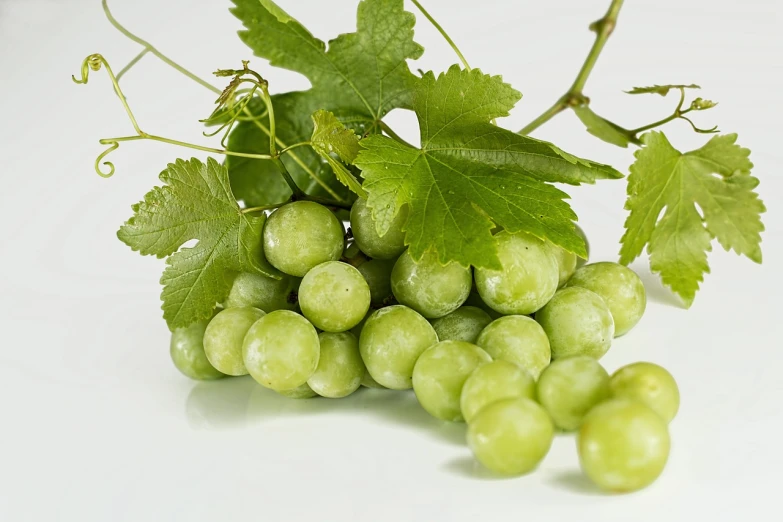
(601, 128)
(196, 203)
(663, 90)
(715, 177)
(330, 138)
(470, 174)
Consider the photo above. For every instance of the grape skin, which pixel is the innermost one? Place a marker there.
(440, 373)
(334, 296)
(340, 367)
(650, 384)
(187, 353)
(511, 436)
(263, 292)
(365, 233)
(301, 235)
(377, 273)
(580, 262)
(528, 278)
(463, 324)
(281, 350)
(623, 445)
(493, 382)
(570, 387)
(224, 336)
(369, 382)
(391, 341)
(620, 288)
(577, 322)
(518, 339)
(428, 287)
(566, 264)
(302, 392)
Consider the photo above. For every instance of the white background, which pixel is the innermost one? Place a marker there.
(97, 425)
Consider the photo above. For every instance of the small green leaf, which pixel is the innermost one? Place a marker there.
(663, 90)
(601, 128)
(330, 138)
(196, 203)
(700, 104)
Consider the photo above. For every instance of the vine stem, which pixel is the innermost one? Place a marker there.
(574, 96)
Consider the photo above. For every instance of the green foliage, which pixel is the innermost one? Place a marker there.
(662, 90)
(602, 129)
(715, 177)
(331, 138)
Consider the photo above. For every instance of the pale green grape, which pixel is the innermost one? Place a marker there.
(340, 367)
(187, 352)
(369, 382)
(334, 296)
(281, 350)
(518, 339)
(263, 292)
(463, 324)
(620, 288)
(580, 262)
(388, 246)
(357, 330)
(474, 299)
(391, 341)
(224, 335)
(511, 436)
(441, 372)
(623, 445)
(302, 235)
(577, 322)
(302, 392)
(570, 387)
(650, 384)
(428, 287)
(566, 264)
(527, 280)
(377, 273)
(493, 382)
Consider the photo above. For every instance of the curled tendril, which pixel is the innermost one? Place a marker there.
(712, 130)
(94, 62)
(113, 145)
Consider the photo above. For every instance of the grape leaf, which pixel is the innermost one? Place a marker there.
(330, 137)
(196, 203)
(663, 90)
(715, 177)
(601, 128)
(470, 175)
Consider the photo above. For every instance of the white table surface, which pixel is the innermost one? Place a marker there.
(97, 425)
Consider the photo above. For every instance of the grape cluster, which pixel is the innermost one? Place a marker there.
(512, 351)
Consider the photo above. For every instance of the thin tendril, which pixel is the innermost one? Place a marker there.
(443, 33)
(133, 62)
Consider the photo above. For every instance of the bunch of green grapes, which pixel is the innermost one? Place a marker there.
(513, 352)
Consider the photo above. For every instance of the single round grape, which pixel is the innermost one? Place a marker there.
(580, 262)
(302, 392)
(369, 382)
(648, 383)
(388, 246)
(302, 235)
(334, 296)
(463, 324)
(494, 382)
(566, 264)
(620, 288)
(428, 287)
(391, 341)
(518, 339)
(474, 299)
(527, 280)
(511, 436)
(623, 445)
(281, 350)
(263, 292)
(577, 322)
(377, 273)
(340, 367)
(224, 336)
(187, 353)
(441, 372)
(570, 387)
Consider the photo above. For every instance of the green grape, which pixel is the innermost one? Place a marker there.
(493, 382)
(369, 382)
(650, 384)
(377, 273)
(463, 324)
(570, 387)
(577, 322)
(263, 292)
(302, 392)
(391, 341)
(528, 279)
(441, 372)
(511, 436)
(340, 367)
(187, 352)
(281, 350)
(357, 330)
(428, 287)
(334, 296)
(388, 246)
(474, 299)
(302, 235)
(518, 339)
(224, 335)
(620, 287)
(580, 262)
(623, 445)
(566, 264)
